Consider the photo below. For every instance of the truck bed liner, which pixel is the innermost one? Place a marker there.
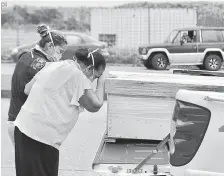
(128, 154)
(131, 154)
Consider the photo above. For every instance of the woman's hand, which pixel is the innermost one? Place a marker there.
(101, 80)
(93, 101)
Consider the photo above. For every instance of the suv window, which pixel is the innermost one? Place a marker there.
(186, 36)
(171, 37)
(209, 36)
(177, 39)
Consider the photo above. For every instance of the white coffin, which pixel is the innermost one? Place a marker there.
(140, 105)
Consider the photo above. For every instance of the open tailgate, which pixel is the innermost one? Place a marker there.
(122, 156)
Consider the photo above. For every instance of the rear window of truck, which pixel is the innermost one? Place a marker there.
(210, 36)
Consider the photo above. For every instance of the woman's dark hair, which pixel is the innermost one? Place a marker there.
(99, 60)
(57, 37)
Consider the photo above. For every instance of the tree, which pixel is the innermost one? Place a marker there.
(72, 24)
(34, 18)
(4, 18)
(17, 17)
(58, 24)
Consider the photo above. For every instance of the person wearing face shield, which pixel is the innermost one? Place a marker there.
(49, 49)
(57, 95)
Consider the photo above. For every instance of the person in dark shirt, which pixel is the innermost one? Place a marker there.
(49, 49)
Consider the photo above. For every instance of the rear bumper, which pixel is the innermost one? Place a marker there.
(191, 172)
(128, 169)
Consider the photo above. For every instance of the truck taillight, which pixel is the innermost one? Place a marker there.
(188, 127)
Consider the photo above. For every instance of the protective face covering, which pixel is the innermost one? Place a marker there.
(92, 77)
(57, 56)
(86, 70)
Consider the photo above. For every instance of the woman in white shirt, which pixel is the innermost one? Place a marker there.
(57, 94)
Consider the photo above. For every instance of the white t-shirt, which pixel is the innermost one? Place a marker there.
(52, 107)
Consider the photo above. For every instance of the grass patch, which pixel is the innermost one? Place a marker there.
(124, 56)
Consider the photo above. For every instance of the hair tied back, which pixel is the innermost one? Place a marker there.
(91, 52)
(43, 30)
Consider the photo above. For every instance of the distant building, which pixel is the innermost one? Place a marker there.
(129, 28)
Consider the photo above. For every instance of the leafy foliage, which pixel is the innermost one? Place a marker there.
(208, 14)
(52, 16)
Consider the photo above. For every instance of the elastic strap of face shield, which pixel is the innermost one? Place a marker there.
(91, 54)
(49, 32)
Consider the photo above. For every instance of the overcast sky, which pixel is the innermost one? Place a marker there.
(77, 3)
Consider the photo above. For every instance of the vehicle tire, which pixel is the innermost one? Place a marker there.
(159, 61)
(147, 63)
(201, 67)
(213, 62)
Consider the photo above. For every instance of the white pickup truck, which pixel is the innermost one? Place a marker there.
(194, 147)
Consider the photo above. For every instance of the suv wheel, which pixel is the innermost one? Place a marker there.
(213, 62)
(159, 61)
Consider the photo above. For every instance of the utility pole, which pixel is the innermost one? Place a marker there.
(17, 28)
(17, 23)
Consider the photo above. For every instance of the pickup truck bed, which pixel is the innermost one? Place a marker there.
(123, 155)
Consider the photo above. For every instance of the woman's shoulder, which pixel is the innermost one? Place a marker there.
(32, 59)
(69, 67)
(77, 72)
(72, 66)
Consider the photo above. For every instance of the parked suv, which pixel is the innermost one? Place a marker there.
(201, 46)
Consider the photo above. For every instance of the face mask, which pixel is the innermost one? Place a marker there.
(57, 56)
(92, 77)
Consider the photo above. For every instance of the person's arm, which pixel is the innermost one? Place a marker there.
(93, 101)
